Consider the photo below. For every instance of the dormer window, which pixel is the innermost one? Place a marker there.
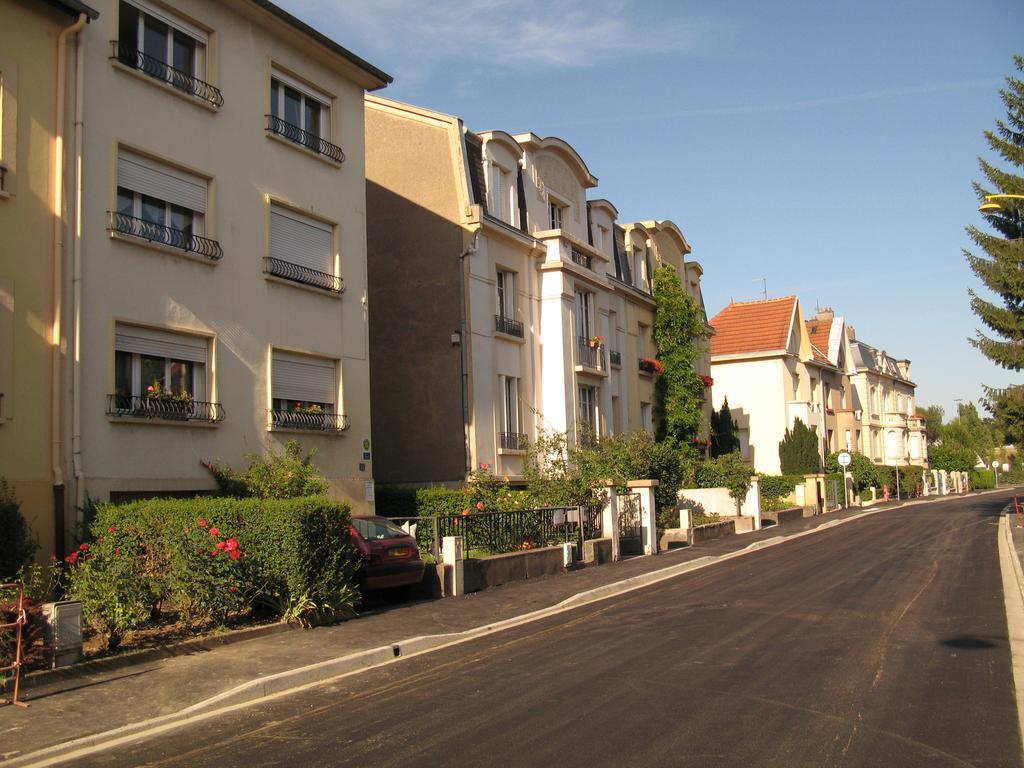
(502, 194)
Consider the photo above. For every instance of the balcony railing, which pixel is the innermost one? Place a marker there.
(507, 325)
(164, 409)
(164, 235)
(164, 72)
(305, 138)
(309, 420)
(581, 258)
(513, 441)
(300, 274)
(615, 358)
(589, 354)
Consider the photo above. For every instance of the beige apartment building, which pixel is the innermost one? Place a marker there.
(216, 286)
(504, 303)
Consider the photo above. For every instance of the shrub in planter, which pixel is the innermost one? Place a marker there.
(17, 544)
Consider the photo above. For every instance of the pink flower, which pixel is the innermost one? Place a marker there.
(234, 554)
(465, 512)
(480, 506)
(221, 544)
(484, 466)
(214, 552)
(202, 523)
(112, 529)
(231, 544)
(215, 531)
(150, 388)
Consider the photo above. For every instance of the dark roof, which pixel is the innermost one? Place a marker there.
(475, 160)
(74, 7)
(325, 41)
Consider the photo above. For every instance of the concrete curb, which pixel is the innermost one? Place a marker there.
(1013, 598)
(295, 680)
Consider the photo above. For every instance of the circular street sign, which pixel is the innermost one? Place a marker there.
(844, 459)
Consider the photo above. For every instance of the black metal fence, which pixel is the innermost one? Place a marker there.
(589, 354)
(309, 140)
(487, 533)
(164, 235)
(514, 441)
(583, 259)
(507, 325)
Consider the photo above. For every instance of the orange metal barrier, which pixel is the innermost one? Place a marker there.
(21, 618)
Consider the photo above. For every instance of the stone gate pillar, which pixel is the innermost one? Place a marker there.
(610, 518)
(648, 513)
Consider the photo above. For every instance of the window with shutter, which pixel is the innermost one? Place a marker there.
(302, 249)
(304, 391)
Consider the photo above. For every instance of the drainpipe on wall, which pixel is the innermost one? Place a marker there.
(464, 344)
(56, 341)
(76, 280)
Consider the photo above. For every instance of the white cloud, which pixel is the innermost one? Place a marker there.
(411, 35)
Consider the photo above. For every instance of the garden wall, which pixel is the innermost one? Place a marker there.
(496, 570)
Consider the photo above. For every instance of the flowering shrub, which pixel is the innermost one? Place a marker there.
(210, 558)
(651, 365)
(596, 342)
(285, 475)
(707, 381)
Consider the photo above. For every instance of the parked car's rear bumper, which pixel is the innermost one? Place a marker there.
(393, 574)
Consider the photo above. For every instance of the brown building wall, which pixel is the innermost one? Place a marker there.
(413, 248)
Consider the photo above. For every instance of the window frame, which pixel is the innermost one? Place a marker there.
(136, 387)
(324, 101)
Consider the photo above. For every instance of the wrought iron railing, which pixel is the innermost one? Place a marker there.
(161, 70)
(300, 274)
(309, 420)
(592, 525)
(305, 138)
(166, 409)
(492, 533)
(507, 325)
(164, 235)
(589, 353)
(581, 258)
(513, 441)
(615, 357)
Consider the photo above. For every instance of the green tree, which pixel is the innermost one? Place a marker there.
(933, 416)
(1001, 269)
(951, 458)
(724, 433)
(798, 451)
(970, 433)
(1007, 409)
(679, 331)
(864, 472)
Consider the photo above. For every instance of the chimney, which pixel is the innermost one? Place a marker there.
(825, 313)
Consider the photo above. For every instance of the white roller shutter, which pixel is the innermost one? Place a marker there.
(300, 240)
(145, 341)
(147, 177)
(302, 378)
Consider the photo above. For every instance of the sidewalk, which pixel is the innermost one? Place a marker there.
(70, 706)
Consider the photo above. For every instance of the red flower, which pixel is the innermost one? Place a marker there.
(480, 506)
(465, 512)
(231, 544)
(72, 558)
(84, 547)
(214, 552)
(234, 554)
(221, 544)
(202, 523)
(215, 531)
(53, 558)
(232, 589)
(112, 529)
(484, 466)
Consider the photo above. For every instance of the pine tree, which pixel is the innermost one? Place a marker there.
(724, 437)
(798, 451)
(1002, 269)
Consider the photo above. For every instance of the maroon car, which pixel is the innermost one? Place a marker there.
(390, 556)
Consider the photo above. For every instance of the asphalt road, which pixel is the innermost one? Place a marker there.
(881, 642)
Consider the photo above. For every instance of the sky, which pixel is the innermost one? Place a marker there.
(826, 148)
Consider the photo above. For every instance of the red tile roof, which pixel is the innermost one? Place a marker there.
(752, 326)
(819, 331)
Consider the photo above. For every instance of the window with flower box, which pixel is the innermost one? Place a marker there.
(304, 393)
(161, 375)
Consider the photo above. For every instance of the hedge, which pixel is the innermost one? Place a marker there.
(983, 479)
(209, 557)
(779, 486)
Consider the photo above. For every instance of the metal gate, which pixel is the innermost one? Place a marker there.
(630, 525)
